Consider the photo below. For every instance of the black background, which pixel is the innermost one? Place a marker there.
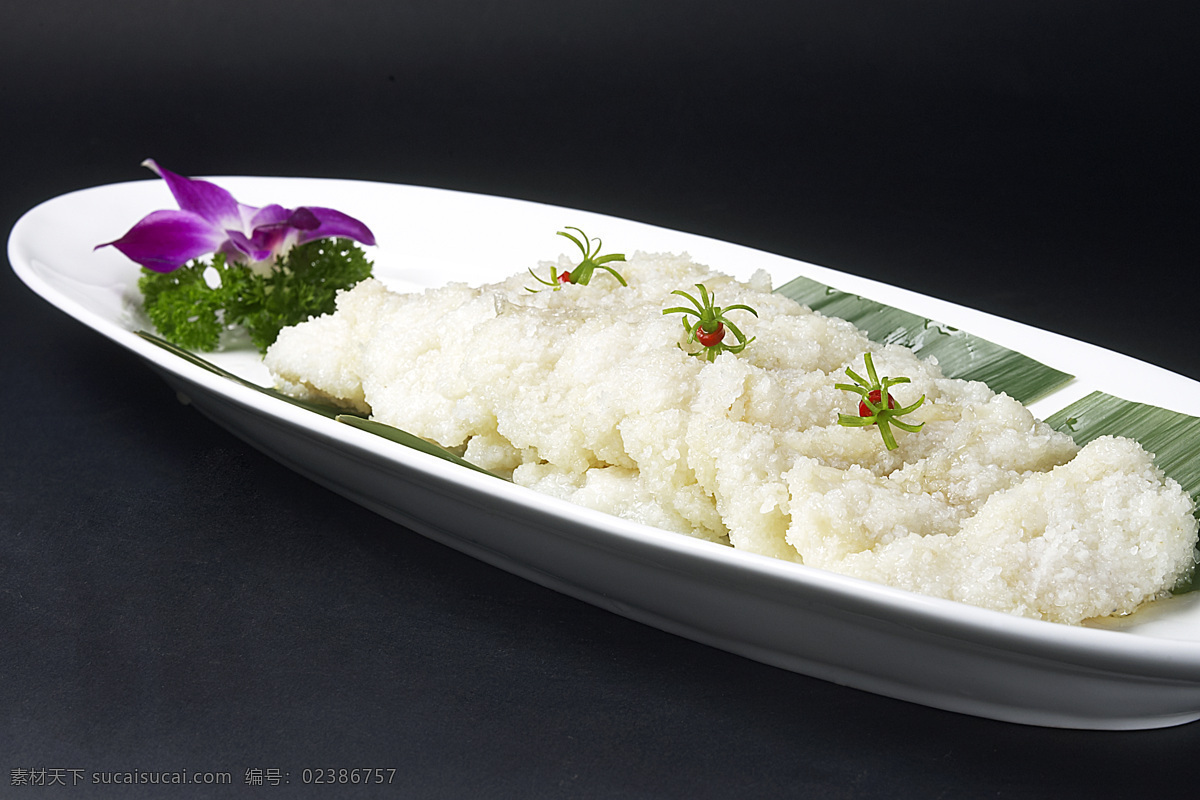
(170, 599)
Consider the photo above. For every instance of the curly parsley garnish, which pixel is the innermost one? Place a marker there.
(877, 407)
(194, 304)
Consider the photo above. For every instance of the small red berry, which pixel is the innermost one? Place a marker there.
(565, 277)
(875, 396)
(710, 339)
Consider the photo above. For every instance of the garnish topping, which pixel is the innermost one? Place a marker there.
(709, 328)
(210, 220)
(271, 267)
(582, 274)
(877, 406)
(193, 305)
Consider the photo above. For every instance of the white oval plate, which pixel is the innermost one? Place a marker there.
(1143, 672)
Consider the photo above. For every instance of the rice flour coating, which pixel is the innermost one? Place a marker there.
(585, 394)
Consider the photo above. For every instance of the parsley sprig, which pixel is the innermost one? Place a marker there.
(877, 406)
(193, 305)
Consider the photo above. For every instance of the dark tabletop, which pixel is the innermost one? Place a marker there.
(172, 600)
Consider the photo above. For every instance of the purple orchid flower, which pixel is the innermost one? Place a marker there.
(210, 220)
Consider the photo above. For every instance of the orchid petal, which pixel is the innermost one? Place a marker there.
(303, 219)
(273, 214)
(246, 214)
(211, 220)
(203, 198)
(257, 248)
(273, 238)
(166, 240)
(333, 223)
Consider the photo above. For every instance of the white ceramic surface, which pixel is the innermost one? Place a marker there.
(1140, 672)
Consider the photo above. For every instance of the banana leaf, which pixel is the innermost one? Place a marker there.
(408, 439)
(959, 354)
(1172, 437)
(324, 409)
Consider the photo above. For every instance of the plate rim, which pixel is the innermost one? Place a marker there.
(1117, 651)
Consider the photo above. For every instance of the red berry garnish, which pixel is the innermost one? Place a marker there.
(710, 339)
(871, 390)
(876, 396)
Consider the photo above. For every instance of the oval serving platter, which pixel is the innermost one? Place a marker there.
(1140, 672)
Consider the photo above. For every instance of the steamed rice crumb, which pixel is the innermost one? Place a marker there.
(585, 394)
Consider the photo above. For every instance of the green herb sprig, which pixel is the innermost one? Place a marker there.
(709, 328)
(191, 312)
(582, 274)
(877, 407)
